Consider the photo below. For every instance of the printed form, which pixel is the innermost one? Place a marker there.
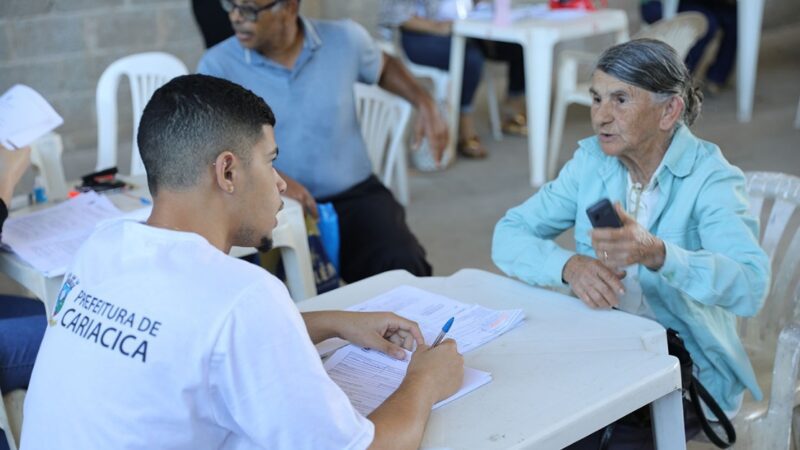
(49, 239)
(474, 325)
(24, 117)
(369, 377)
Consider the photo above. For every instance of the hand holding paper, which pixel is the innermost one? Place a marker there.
(24, 117)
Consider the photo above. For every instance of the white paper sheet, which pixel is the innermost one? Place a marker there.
(25, 116)
(49, 239)
(473, 326)
(369, 377)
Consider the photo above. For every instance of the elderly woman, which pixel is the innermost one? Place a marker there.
(687, 253)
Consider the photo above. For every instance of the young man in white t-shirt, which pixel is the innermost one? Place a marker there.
(159, 339)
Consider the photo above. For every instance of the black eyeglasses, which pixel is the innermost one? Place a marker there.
(249, 13)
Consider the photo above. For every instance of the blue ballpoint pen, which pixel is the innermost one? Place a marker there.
(445, 329)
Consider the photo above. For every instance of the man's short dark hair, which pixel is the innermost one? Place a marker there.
(192, 119)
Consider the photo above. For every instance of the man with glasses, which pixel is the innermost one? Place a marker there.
(305, 69)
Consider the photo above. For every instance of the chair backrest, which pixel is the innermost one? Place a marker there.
(681, 31)
(146, 72)
(774, 199)
(46, 158)
(439, 78)
(383, 118)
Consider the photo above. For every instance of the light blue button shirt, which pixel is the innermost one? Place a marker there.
(714, 268)
(317, 130)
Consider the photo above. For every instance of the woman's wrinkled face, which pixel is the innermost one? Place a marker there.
(625, 118)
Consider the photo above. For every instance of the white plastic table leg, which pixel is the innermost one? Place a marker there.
(457, 48)
(668, 431)
(669, 8)
(749, 13)
(538, 70)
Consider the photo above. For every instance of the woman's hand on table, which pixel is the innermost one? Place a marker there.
(593, 282)
(631, 244)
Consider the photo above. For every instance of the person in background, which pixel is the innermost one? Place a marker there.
(687, 254)
(212, 21)
(22, 320)
(169, 342)
(721, 15)
(425, 33)
(305, 69)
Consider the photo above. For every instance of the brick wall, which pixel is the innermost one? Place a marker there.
(60, 48)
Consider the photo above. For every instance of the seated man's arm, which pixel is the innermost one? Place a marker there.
(382, 331)
(297, 191)
(433, 375)
(397, 79)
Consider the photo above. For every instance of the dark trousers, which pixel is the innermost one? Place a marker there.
(720, 15)
(22, 325)
(373, 233)
(431, 50)
(627, 436)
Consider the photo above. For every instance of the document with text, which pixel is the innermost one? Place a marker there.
(24, 117)
(49, 239)
(369, 377)
(474, 325)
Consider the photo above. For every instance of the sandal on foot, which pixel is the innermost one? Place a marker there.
(472, 148)
(516, 124)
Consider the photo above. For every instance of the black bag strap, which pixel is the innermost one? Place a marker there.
(696, 392)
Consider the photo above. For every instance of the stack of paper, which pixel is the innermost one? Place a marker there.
(49, 239)
(474, 325)
(24, 117)
(369, 377)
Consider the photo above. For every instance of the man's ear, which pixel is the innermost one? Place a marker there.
(672, 113)
(226, 168)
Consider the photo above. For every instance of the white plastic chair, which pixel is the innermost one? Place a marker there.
(384, 118)
(146, 72)
(11, 415)
(681, 32)
(46, 158)
(291, 238)
(772, 338)
(441, 81)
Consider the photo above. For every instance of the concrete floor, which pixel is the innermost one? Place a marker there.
(453, 212)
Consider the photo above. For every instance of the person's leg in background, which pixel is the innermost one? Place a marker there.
(514, 109)
(431, 50)
(696, 53)
(720, 70)
(22, 325)
(373, 233)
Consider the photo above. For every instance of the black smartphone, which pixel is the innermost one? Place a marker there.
(603, 215)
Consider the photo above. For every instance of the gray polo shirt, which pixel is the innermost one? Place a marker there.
(317, 130)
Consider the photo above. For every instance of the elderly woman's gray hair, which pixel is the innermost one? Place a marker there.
(654, 66)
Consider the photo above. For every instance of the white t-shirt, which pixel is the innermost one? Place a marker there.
(163, 341)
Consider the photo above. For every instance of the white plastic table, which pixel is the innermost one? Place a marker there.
(538, 38)
(564, 373)
(749, 14)
(46, 288)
